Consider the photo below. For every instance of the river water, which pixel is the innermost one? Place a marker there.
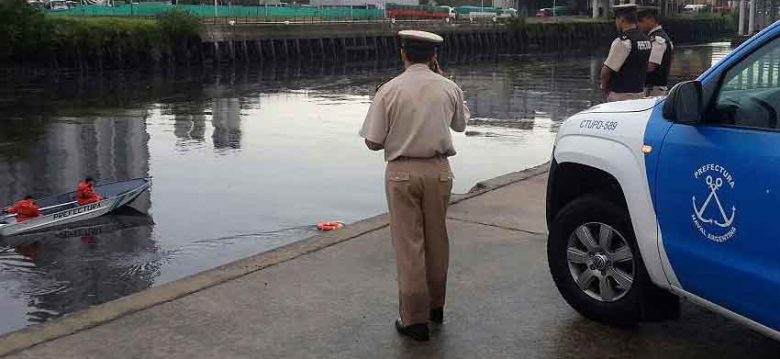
(244, 160)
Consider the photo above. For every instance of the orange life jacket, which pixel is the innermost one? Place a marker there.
(86, 194)
(24, 209)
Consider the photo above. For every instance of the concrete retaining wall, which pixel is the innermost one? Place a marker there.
(365, 41)
(369, 41)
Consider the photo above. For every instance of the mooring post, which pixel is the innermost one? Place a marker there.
(201, 53)
(752, 18)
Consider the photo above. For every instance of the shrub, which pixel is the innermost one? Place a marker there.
(23, 29)
(28, 36)
(178, 24)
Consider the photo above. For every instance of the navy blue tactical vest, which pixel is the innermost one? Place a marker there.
(631, 77)
(660, 77)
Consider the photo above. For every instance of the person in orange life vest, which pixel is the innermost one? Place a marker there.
(24, 209)
(86, 193)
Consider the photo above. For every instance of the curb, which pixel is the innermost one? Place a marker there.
(72, 323)
(504, 180)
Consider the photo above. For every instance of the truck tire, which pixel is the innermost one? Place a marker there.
(595, 263)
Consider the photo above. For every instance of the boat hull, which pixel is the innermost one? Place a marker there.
(74, 214)
(122, 218)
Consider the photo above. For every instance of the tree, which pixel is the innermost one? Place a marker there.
(23, 29)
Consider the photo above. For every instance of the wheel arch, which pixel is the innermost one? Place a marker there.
(570, 180)
(585, 165)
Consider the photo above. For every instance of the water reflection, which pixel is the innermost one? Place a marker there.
(189, 123)
(66, 270)
(109, 148)
(226, 119)
(521, 88)
(244, 160)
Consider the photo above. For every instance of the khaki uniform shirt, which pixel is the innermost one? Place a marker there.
(659, 48)
(618, 53)
(412, 115)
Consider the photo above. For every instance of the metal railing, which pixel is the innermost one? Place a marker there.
(251, 20)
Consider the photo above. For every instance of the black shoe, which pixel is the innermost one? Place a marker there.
(437, 315)
(418, 332)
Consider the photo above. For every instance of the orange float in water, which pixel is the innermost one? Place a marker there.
(330, 226)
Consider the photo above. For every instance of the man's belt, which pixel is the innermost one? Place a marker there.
(408, 158)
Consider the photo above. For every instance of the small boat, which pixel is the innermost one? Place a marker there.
(120, 219)
(63, 209)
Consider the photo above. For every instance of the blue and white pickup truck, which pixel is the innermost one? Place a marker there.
(656, 199)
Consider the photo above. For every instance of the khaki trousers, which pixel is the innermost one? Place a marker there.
(622, 96)
(418, 194)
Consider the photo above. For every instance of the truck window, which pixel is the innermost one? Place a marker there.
(750, 94)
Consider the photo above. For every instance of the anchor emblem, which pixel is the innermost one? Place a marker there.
(715, 185)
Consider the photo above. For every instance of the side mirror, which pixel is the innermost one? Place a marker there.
(684, 103)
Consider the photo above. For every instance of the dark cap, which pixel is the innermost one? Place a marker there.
(644, 11)
(624, 9)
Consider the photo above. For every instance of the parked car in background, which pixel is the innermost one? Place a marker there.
(695, 8)
(554, 11)
(721, 9)
(36, 4)
(507, 13)
(57, 5)
(544, 12)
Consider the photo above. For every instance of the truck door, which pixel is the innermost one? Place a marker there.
(718, 192)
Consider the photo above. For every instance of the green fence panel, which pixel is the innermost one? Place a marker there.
(223, 11)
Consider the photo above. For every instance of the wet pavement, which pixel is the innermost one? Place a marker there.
(339, 302)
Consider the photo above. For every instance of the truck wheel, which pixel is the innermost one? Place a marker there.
(595, 262)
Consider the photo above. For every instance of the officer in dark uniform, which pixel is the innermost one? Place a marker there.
(660, 62)
(624, 71)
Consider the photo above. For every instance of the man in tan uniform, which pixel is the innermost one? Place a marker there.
(410, 118)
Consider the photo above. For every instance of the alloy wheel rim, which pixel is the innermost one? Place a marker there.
(600, 261)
